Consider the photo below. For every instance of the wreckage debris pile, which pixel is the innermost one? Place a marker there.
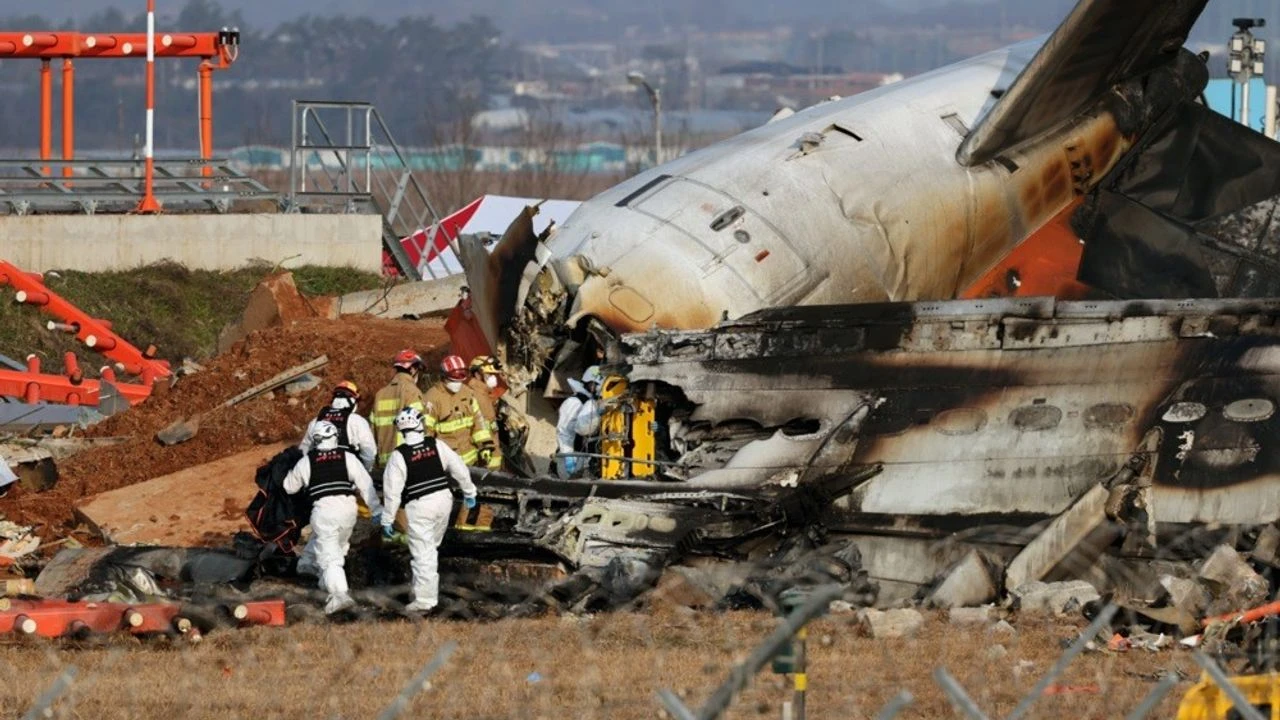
(358, 349)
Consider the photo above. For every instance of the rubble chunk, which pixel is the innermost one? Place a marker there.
(275, 301)
(1267, 549)
(1071, 543)
(302, 385)
(1054, 597)
(885, 624)
(971, 615)
(1186, 595)
(1232, 583)
(968, 583)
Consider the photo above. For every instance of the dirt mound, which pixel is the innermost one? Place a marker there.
(359, 348)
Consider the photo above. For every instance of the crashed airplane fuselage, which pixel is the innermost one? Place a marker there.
(793, 297)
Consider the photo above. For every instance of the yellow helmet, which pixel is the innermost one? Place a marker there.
(484, 364)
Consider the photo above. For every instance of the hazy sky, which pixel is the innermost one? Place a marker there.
(840, 12)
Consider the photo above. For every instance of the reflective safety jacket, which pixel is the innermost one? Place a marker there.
(400, 393)
(456, 419)
(489, 410)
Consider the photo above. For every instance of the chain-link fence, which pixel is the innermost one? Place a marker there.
(660, 664)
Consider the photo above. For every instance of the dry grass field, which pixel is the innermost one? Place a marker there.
(598, 667)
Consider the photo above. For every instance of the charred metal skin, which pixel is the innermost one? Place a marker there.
(996, 407)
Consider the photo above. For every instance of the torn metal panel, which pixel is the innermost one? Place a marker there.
(25, 417)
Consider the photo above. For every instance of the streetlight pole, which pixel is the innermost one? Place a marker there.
(1246, 59)
(655, 97)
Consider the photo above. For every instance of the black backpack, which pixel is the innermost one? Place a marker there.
(276, 516)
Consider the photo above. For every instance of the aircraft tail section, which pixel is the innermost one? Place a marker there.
(1100, 45)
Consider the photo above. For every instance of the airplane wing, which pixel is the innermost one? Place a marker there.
(1100, 44)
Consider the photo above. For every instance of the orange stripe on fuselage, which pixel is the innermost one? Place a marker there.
(1045, 264)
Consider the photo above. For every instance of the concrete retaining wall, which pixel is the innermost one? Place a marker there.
(93, 243)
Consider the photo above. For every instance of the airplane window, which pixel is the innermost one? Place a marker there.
(1184, 412)
(1035, 418)
(1249, 411)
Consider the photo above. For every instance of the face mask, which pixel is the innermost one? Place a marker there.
(491, 381)
(453, 386)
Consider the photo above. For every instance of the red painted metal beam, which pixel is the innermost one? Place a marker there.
(34, 387)
(59, 618)
(94, 333)
(56, 618)
(63, 44)
(260, 612)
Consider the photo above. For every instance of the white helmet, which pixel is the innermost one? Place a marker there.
(324, 431)
(410, 420)
(591, 375)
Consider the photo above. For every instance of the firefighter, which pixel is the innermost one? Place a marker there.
(453, 413)
(417, 475)
(401, 392)
(354, 433)
(332, 478)
(484, 383)
(578, 421)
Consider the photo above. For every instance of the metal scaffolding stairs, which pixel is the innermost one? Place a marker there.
(344, 159)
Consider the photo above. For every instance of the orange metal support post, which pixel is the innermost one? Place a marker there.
(46, 111)
(68, 113)
(206, 116)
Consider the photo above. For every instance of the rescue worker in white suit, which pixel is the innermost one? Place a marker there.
(417, 475)
(354, 435)
(333, 477)
(578, 421)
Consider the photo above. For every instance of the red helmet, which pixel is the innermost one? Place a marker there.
(407, 360)
(348, 389)
(454, 367)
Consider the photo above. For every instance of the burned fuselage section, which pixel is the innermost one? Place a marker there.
(923, 419)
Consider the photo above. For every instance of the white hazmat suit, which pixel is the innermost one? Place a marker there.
(360, 440)
(359, 434)
(333, 516)
(427, 516)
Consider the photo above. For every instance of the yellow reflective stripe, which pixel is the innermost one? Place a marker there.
(481, 436)
(469, 457)
(381, 420)
(391, 405)
(417, 405)
(449, 427)
(495, 462)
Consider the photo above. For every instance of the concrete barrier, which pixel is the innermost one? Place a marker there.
(414, 298)
(95, 243)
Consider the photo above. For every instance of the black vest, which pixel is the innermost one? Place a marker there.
(424, 471)
(339, 419)
(329, 474)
